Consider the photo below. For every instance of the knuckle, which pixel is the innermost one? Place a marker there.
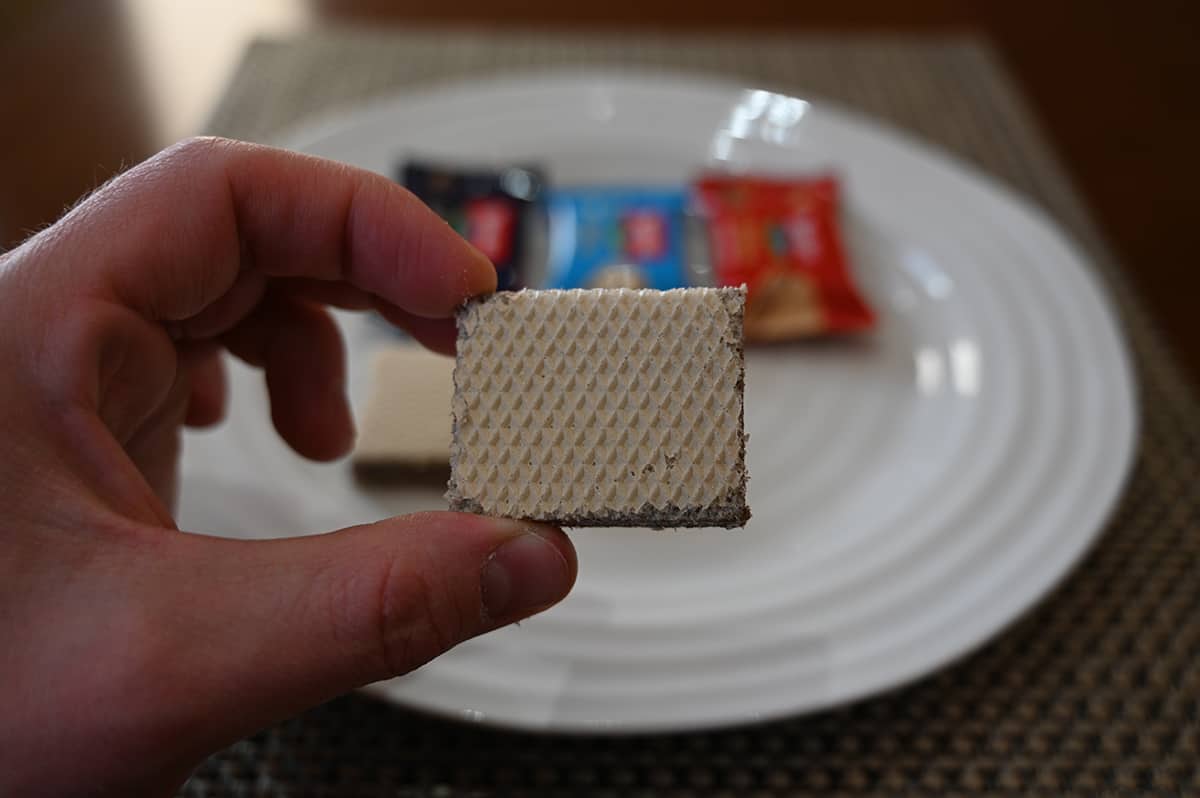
(196, 147)
(417, 617)
(397, 617)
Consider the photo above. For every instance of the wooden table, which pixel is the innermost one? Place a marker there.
(89, 86)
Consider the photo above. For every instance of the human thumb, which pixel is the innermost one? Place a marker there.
(259, 630)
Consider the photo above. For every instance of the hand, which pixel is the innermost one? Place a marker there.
(128, 649)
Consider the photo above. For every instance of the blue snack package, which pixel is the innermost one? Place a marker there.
(617, 237)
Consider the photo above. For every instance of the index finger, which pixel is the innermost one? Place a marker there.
(170, 236)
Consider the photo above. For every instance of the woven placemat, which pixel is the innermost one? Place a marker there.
(1096, 692)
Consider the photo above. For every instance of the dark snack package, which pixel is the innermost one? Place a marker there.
(491, 209)
(616, 237)
(781, 238)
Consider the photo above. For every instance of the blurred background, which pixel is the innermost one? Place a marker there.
(88, 87)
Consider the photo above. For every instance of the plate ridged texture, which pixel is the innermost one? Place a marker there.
(605, 407)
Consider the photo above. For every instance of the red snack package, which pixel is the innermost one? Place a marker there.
(781, 238)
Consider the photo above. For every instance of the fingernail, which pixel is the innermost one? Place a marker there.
(524, 575)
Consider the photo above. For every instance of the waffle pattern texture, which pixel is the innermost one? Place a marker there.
(601, 407)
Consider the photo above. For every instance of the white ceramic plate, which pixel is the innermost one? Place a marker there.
(913, 492)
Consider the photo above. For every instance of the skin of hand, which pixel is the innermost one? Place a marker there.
(129, 649)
